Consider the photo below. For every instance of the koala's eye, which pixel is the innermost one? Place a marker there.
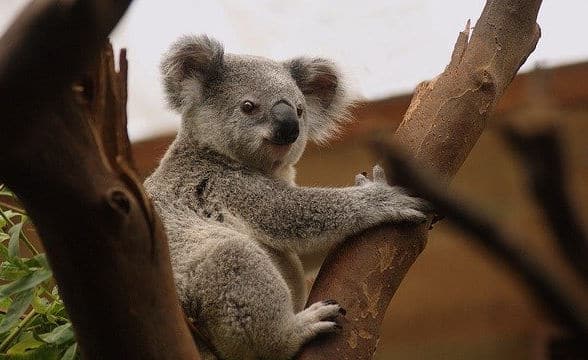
(247, 107)
(299, 111)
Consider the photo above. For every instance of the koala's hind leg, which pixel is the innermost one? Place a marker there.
(246, 305)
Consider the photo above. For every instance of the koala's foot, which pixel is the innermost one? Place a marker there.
(318, 318)
(393, 200)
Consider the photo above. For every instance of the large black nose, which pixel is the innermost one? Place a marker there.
(285, 124)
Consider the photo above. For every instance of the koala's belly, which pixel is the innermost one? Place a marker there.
(290, 267)
(288, 264)
(200, 239)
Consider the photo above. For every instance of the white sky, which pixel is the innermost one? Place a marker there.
(386, 47)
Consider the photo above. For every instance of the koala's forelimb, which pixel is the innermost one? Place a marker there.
(303, 219)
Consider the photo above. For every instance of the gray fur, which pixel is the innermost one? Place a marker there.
(236, 222)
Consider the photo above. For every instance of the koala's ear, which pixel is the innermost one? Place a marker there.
(190, 62)
(326, 97)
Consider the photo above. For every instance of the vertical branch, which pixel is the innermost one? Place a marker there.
(69, 162)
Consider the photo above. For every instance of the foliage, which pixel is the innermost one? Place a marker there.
(33, 321)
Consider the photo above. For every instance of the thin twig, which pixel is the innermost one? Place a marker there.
(14, 333)
(541, 154)
(541, 284)
(13, 208)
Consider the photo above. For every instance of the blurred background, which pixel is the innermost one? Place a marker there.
(456, 301)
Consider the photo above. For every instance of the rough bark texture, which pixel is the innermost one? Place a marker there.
(66, 154)
(445, 119)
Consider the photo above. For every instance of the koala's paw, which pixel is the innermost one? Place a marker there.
(319, 318)
(378, 175)
(392, 201)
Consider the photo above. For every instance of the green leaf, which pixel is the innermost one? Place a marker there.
(70, 353)
(39, 261)
(3, 252)
(5, 191)
(59, 335)
(55, 292)
(27, 343)
(10, 214)
(14, 243)
(44, 352)
(10, 272)
(40, 304)
(16, 309)
(5, 303)
(3, 236)
(26, 282)
(56, 308)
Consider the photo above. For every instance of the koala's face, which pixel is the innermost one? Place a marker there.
(255, 110)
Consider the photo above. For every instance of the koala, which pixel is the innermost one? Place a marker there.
(235, 219)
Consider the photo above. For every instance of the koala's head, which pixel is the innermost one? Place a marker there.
(255, 110)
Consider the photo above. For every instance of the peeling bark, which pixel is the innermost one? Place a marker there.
(444, 121)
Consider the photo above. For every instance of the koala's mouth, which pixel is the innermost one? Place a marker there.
(277, 148)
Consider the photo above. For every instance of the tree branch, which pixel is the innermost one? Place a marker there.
(541, 153)
(444, 121)
(69, 162)
(544, 288)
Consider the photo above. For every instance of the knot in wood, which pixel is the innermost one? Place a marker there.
(119, 201)
(485, 81)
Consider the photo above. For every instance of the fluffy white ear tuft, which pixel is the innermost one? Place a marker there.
(190, 62)
(327, 99)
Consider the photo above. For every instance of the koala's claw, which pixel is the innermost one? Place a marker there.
(319, 318)
(378, 176)
(361, 180)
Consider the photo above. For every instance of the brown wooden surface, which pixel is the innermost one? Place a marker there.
(65, 154)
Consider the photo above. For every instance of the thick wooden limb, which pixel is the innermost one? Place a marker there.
(444, 121)
(448, 115)
(48, 45)
(66, 155)
(544, 288)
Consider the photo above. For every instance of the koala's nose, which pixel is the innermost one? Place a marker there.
(285, 122)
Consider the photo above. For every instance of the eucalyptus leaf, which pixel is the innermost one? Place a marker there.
(16, 309)
(10, 271)
(27, 343)
(3, 251)
(44, 352)
(40, 304)
(14, 243)
(26, 282)
(39, 261)
(56, 308)
(59, 335)
(10, 214)
(5, 303)
(5, 191)
(70, 353)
